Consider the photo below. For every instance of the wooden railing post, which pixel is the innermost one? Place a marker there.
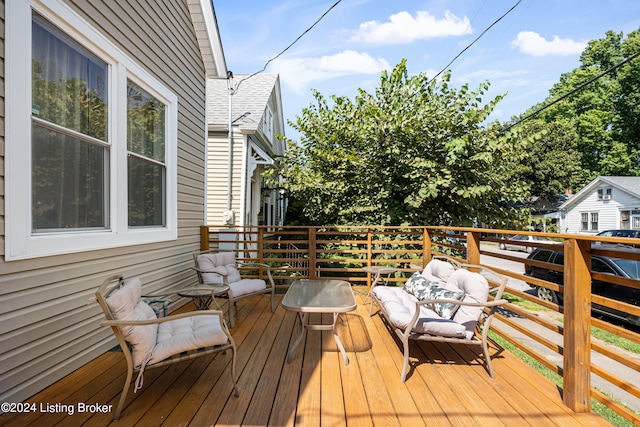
(473, 247)
(204, 237)
(577, 322)
(426, 246)
(312, 252)
(369, 256)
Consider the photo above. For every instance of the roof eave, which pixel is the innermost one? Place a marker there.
(205, 23)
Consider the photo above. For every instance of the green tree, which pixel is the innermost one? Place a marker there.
(603, 117)
(413, 152)
(552, 162)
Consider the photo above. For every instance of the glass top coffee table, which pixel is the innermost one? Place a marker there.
(319, 296)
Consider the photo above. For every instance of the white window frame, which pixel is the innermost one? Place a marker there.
(590, 222)
(20, 241)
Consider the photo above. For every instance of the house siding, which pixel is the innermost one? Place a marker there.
(218, 176)
(47, 330)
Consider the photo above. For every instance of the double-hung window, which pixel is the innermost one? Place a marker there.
(589, 221)
(91, 139)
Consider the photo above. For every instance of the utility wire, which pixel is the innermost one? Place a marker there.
(476, 39)
(571, 92)
(292, 43)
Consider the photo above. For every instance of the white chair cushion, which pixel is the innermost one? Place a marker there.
(125, 303)
(247, 286)
(189, 333)
(438, 271)
(223, 262)
(476, 289)
(400, 307)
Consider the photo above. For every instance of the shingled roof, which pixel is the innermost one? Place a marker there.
(629, 184)
(249, 102)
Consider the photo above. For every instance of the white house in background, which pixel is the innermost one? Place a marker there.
(607, 202)
(236, 192)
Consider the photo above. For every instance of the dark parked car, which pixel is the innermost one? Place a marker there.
(600, 264)
(620, 233)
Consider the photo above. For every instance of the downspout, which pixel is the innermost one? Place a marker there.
(230, 148)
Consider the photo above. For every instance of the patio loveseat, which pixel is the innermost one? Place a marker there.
(447, 302)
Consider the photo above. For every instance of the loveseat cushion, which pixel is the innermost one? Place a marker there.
(476, 289)
(400, 307)
(125, 303)
(176, 336)
(438, 271)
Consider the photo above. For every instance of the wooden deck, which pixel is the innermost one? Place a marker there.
(447, 385)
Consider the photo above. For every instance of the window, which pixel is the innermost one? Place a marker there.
(92, 147)
(146, 155)
(69, 136)
(584, 221)
(635, 222)
(604, 194)
(589, 221)
(594, 221)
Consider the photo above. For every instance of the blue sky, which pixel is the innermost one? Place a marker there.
(523, 55)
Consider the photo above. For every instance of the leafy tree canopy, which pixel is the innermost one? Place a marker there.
(413, 152)
(602, 118)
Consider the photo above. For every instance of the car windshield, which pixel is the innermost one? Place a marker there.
(631, 267)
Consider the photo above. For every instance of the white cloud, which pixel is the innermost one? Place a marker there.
(531, 43)
(402, 28)
(297, 73)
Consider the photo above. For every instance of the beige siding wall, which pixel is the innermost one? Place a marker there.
(218, 177)
(47, 330)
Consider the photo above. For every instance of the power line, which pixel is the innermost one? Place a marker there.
(571, 92)
(292, 43)
(476, 39)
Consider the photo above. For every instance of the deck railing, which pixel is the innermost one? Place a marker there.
(341, 253)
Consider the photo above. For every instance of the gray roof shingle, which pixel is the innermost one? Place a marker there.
(249, 102)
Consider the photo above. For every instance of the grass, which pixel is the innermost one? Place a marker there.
(526, 304)
(597, 407)
(615, 340)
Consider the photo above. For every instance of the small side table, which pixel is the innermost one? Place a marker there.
(202, 298)
(379, 273)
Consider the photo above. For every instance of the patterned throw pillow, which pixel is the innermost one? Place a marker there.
(415, 281)
(425, 289)
(445, 310)
(419, 286)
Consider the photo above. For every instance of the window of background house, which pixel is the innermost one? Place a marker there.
(584, 221)
(594, 221)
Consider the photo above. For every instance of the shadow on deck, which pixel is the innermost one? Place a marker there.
(447, 384)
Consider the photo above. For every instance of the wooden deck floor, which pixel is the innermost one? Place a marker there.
(448, 385)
